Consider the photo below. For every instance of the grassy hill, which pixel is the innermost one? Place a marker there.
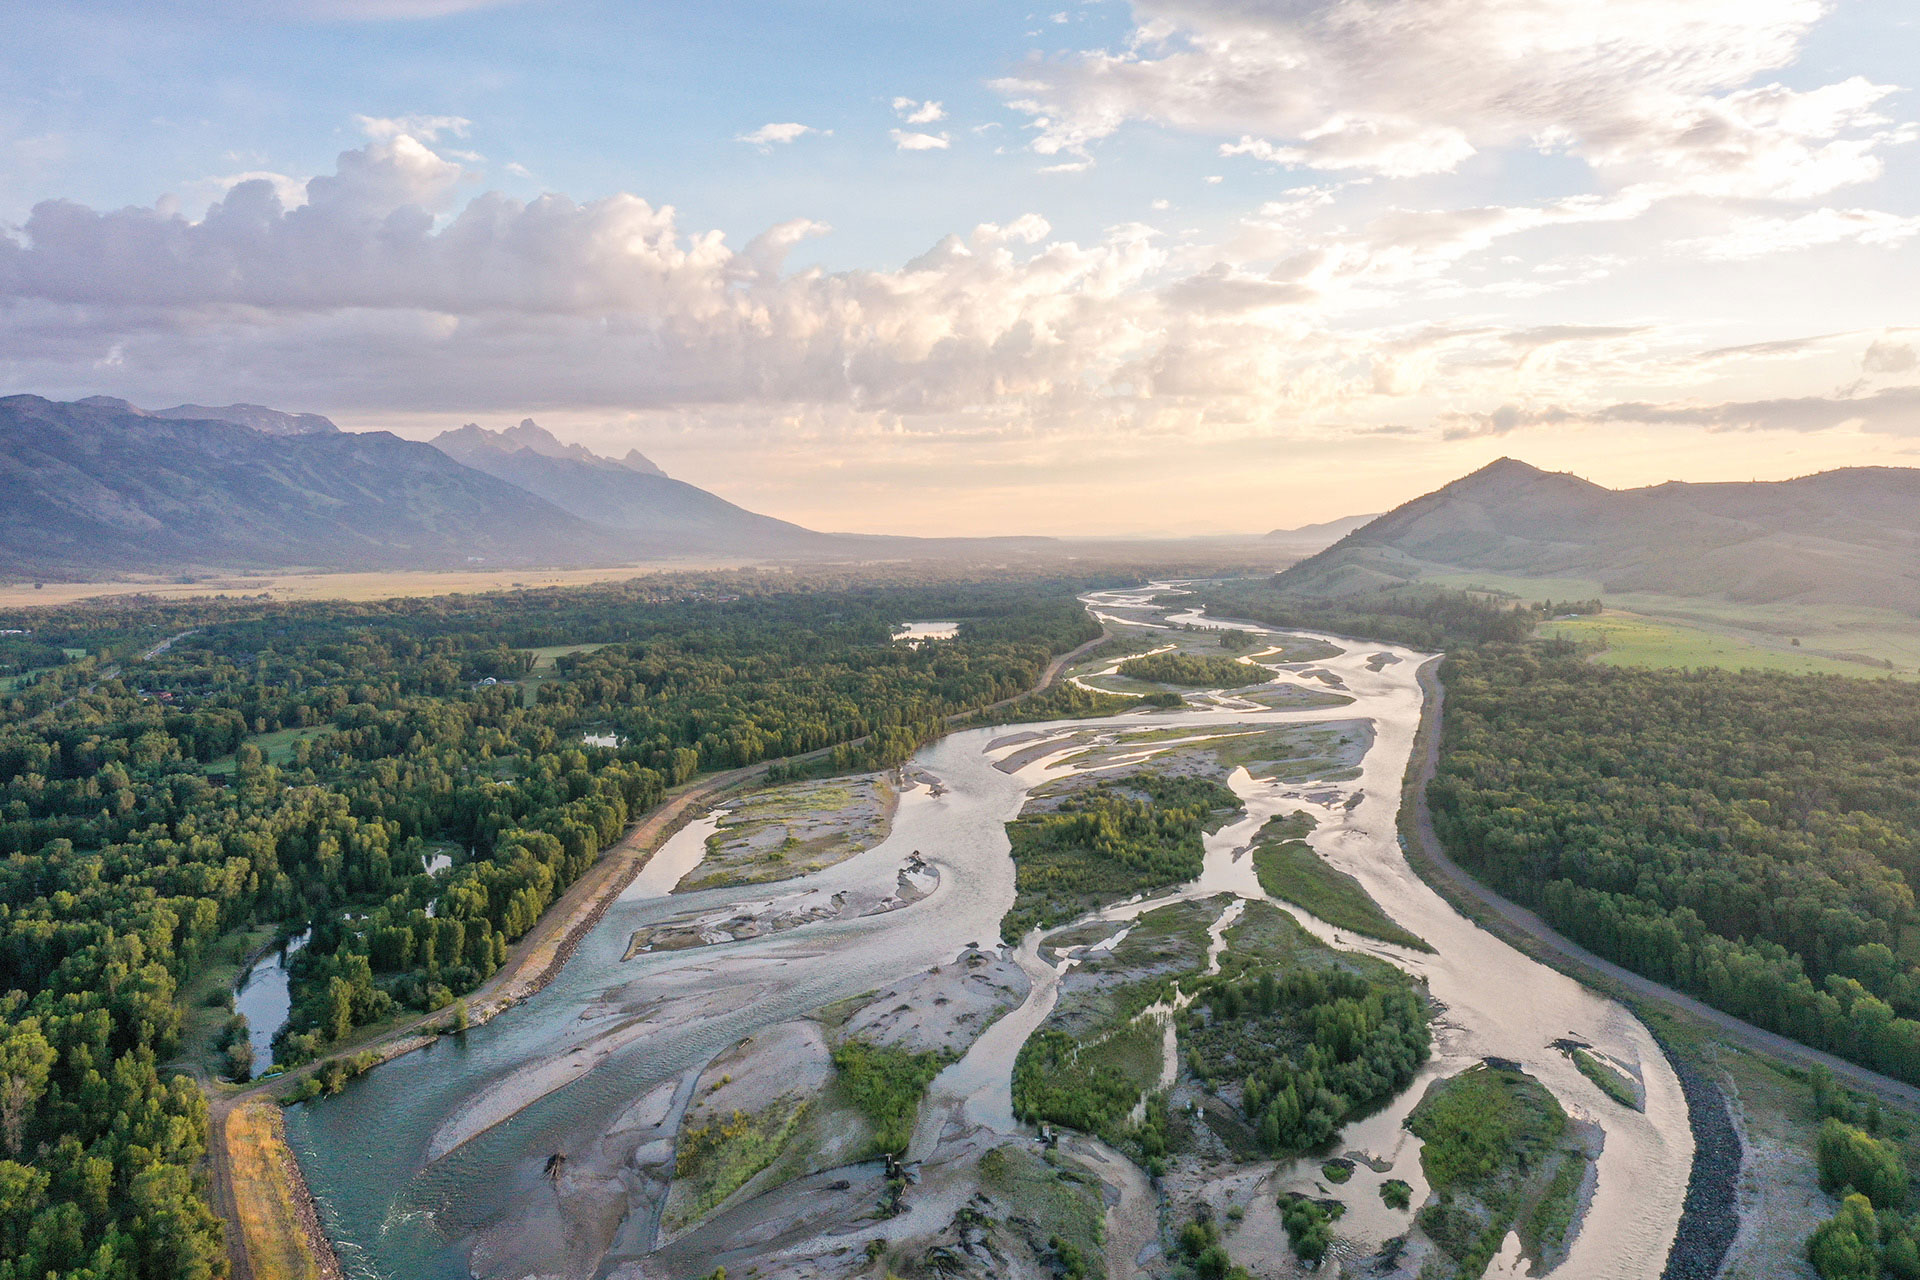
(1847, 538)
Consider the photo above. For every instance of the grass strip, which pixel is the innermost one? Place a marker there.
(1291, 871)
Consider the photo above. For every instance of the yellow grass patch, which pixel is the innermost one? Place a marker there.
(349, 586)
(265, 1196)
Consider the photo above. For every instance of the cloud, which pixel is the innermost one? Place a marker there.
(361, 295)
(1889, 411)
(907, 140)
(1554, 334)
(423, 128)
(1757, 236)
(1884, 356)
(767, 135)
(914, 111)
(1648, 90)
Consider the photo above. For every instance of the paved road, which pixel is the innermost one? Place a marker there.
(1571, 957)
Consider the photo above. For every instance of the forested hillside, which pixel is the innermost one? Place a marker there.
(1751, 837)
(293, 763)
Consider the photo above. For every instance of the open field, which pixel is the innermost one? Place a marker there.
(371, 585)
(1633, 640)
(1824, 631)
(276, 747)
(543, 667)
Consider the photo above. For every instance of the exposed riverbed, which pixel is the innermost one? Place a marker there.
(434, 1164)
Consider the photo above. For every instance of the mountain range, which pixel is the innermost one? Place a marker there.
(1845, 537)
(630, 495)
(103, 487)
(99, 487)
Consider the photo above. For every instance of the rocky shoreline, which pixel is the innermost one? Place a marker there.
(1710, 1218)
(305, 1207)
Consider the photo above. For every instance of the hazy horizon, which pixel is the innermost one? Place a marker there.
(1165, 268)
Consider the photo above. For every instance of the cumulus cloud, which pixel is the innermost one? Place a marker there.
(910, 140)
(363, 291)
(395, 283)
(1655, 90)
(767, 135)
(914, 111)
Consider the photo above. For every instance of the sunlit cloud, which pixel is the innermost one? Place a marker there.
(767, 136)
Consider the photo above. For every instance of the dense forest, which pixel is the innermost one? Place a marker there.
(296, 764)
(1199, 672)
(1750, 837)
(1309, 1047)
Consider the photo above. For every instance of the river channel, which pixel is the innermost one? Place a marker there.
(422, 1165)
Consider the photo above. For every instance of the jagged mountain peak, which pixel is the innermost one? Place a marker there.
(638, 461)
(474, 440)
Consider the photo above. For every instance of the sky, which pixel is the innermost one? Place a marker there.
(1168, 266)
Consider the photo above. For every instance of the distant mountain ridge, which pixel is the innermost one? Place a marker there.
(1846, 537)
(271, 421)
(474, 440)
(629, 494)
(100, 486)
(1323, 534)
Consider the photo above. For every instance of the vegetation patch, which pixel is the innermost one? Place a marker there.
(886, 1084)
(1544, 1233)
(265, 1196)
(1396, 1193)
(1496, 1153)
(1194, 672)
(1053, 1204)
(1065, 701)
(1115, 839)
(716, 1159)
(1291, 871)
(1609, 1078)
(1309, 1224)
(1206, 1254)
(1093, 1085)
(1304, 1046)
(793, 830)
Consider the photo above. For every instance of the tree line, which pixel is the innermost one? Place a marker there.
(1750, 837)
